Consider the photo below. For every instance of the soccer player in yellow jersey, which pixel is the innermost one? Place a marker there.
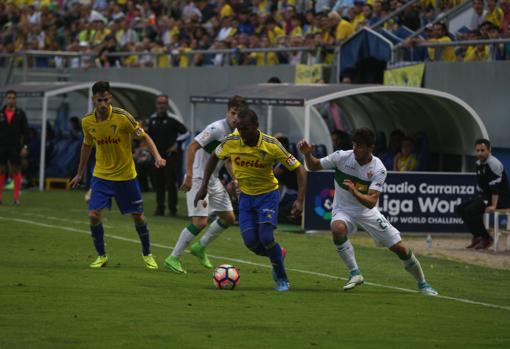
(110, 130)
(252, 154)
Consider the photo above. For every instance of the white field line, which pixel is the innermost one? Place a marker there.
(242, 261)
(57, 218)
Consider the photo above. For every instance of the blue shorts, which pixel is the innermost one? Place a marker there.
(127, 194)
(255, 209)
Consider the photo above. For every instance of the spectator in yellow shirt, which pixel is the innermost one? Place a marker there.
(494, 13)
(273, 30)
(406, 159)
(344, 28)
(225, 8)
(438, 34)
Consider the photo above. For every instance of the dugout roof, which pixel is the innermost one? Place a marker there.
(450, 124)
(138, 99)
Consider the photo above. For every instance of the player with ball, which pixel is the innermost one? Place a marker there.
(252, 154)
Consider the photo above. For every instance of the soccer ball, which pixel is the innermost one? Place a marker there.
(226, 277)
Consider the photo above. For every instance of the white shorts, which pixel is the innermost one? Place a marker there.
(217, 198)
(373, 222)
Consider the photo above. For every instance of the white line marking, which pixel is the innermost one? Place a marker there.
(461, 300)
(57, 218)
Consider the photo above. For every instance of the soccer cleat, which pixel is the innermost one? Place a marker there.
(426, 289)
(198, 251)
(354, 280)
(282, 285)
(100, 262)
(150, 262)
(174, 264)
(284, 253)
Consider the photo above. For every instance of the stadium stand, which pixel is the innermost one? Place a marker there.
(143, 33)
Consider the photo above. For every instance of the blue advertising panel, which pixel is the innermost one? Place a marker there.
(411, 201)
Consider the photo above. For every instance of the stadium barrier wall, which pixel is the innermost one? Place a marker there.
(414, 202)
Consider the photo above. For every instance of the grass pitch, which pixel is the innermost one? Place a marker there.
(49, 298)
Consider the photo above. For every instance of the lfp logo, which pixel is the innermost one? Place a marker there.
(324, 203)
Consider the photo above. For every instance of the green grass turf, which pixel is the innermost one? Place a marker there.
(49, 298)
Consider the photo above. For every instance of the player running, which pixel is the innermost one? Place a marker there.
(110, 130)
(252, 154)
(217, 200)
(359, 179)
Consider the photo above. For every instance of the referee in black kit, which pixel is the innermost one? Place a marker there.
(165, 130)
(13, 143)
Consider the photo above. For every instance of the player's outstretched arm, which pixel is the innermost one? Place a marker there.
(311, 161)
(209, 169)
(297, 206)
(84, 158)
(190, 158)
(158, 160)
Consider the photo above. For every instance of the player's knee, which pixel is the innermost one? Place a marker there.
(139, 218)
(228, 219)
(94, 217)
(200, 224)
(338, 228)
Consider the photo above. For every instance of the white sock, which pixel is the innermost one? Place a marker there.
(214, 230)
(413, 267)
(184, 239)
(346, 252)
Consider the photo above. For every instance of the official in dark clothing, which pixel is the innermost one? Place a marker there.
(14, 134)
(165, 131)
(493, 193)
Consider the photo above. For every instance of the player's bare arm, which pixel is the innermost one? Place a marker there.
(190, 158)
(209, 169)
(297, 206)
(158, 160)
(311, 161)
(84, 158)
(368, 200)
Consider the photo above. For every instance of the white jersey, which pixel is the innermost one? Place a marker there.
(209, 139)
(368, 176)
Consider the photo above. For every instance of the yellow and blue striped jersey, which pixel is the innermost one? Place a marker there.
(253, 166)
(112, 138)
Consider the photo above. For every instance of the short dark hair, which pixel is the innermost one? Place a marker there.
(274, 80)
(364, 136)
(483, 141)
(100, 87)
(237, 102)
(249, 114)
(10, 92)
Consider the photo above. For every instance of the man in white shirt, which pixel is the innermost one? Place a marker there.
(217, 200)
(359, 179)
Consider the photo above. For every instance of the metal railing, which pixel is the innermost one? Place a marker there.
(65, 60)
(399, 50)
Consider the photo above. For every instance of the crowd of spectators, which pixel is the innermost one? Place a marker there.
(161, 32)
(489, 20)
